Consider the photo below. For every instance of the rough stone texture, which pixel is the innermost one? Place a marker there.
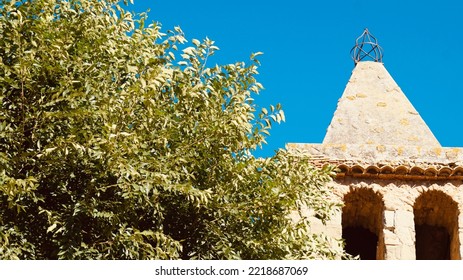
(403, 219)
(393, 173)
(397, 224)
(389, 219)
(382, 155)
(374, 110)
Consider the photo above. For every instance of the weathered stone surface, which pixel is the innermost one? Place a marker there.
(390, 238)
(397, 226)
(406, 235)
(393, 252)
(374, 110)
(407, 253)
(373, 154)
(404, 219)
(389, 219)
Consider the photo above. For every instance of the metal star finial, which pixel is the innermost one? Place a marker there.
(366, 48)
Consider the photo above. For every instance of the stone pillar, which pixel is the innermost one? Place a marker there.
(399, 235)
(460, 234)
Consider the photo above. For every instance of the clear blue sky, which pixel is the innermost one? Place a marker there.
(306, 62)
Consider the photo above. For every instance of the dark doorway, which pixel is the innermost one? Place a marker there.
(432, 243)
(360, 242)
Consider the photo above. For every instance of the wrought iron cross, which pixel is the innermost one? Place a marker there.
(366, 48)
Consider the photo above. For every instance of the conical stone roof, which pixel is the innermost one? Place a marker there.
(374, 110)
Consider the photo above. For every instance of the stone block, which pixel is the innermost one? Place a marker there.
(336, 218)
(460, 235)
(406, 235)
(390, 238)
(389, 219)
(408, 253)
(392, 252)
(334, 232)
(404, 219)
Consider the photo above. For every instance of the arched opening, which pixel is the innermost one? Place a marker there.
(436, 227)
(362, 224)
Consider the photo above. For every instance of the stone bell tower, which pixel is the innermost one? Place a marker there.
(402, 191)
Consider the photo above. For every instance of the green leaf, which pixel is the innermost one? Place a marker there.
(196, 42)
(52, 227)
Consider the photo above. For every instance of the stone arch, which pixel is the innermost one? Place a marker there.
(362, 223)
(436, 226)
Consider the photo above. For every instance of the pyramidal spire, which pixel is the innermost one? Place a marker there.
(373, 109)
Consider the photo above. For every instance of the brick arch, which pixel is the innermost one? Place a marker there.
(362, 223)
(436, 226)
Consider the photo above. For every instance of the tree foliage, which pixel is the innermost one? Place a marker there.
(119, 142)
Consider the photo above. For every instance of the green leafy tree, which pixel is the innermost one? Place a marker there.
(111, 147)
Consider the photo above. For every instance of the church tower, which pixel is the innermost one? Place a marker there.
(402, 191)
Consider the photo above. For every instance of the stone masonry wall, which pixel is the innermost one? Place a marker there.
(395, 208)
